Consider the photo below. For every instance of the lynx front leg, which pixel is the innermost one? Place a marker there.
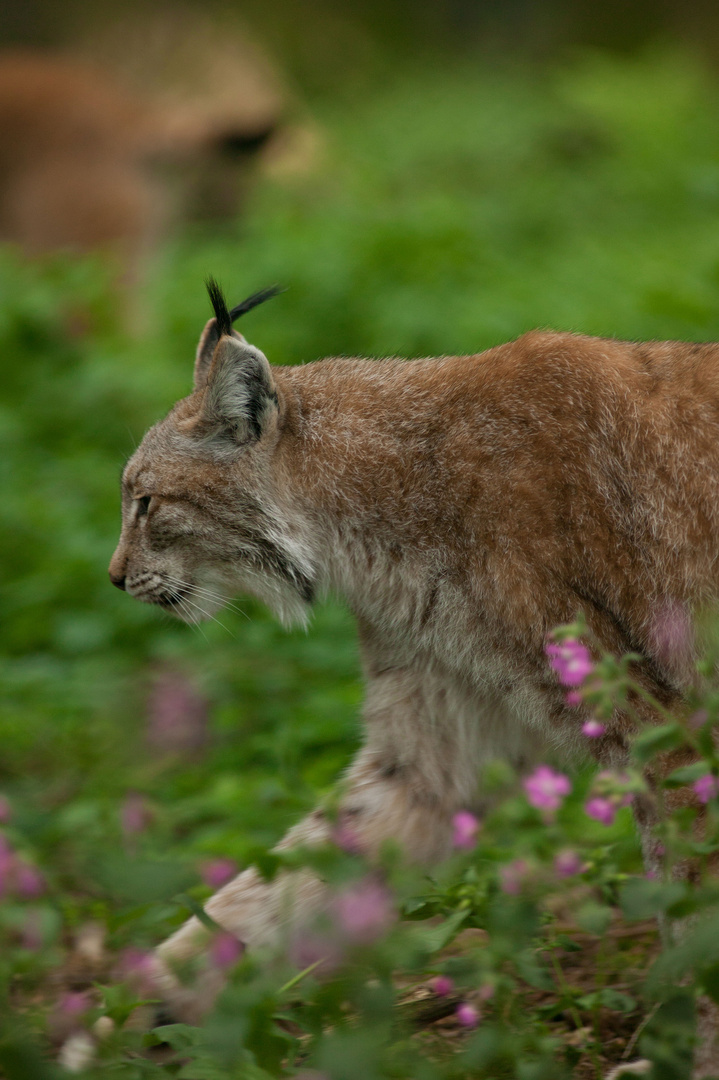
(418, 767)
(262, 913)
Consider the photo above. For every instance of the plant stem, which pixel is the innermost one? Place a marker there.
(299, 976)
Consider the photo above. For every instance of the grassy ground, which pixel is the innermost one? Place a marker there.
(450, 210)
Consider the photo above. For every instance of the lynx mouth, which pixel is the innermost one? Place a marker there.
(170, 600)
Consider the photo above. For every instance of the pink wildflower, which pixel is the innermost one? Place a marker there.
(138, 968)
(74, 1005)
(364, 911)
(442, 985)
(567, 863)
(17, 876)
(601, 809)
(309, 948)
(218, 872)
(177, 714)
(672, 635)
(467, 1015)
(465, 826)
(347, 839)
(69, 1013)
(546, 788)
(512, 876)
(706, 787)
(29, 882)
(32, 937)
(571, 661)
(573, 698)
(6, 852)
(593, 729)
(7, 862)
(225, 950)
(613, 785)
(134, 814)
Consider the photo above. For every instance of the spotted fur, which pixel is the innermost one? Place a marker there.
(462, 507)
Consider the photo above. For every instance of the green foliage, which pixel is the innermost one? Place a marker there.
(443, 215)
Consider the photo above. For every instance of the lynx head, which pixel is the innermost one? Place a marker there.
(202, 512)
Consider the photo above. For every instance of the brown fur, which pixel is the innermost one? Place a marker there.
(463, 507)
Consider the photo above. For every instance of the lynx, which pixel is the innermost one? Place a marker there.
(462, 507)
(86, 164)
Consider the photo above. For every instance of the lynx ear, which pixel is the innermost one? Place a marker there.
(206, 350)
(222, 324)
(240, 393)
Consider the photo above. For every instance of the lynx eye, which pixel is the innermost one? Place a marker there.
(143, 505)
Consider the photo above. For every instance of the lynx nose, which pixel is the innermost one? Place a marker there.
(118, 582)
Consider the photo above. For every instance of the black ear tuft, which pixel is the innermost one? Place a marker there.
(254, 300)
(219, 306)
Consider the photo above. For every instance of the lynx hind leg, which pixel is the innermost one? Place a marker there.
(405, 785)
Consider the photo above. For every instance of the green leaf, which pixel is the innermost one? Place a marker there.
(608, 998)
(204, 1069)
(179, 1036)
(433, 938)
(567, 943)
(21, 1059)
(687, 774)
(669, 1037)
(414, 904)
(120, 1001)
(642, 898)
(142, 881)
(351, 1055)
(710, 982)
(594, 918)
(533, 972)
(267, 862)
(657, 741)
(199, 912)
(486, 1047)
(705, 740)
(698, 951)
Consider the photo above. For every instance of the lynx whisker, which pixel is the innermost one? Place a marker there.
(192, 619)
(208, 593)
(206, 614)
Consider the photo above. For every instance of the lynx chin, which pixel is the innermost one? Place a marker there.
(462, 507)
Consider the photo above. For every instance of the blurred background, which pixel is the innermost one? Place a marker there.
(424, 177)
